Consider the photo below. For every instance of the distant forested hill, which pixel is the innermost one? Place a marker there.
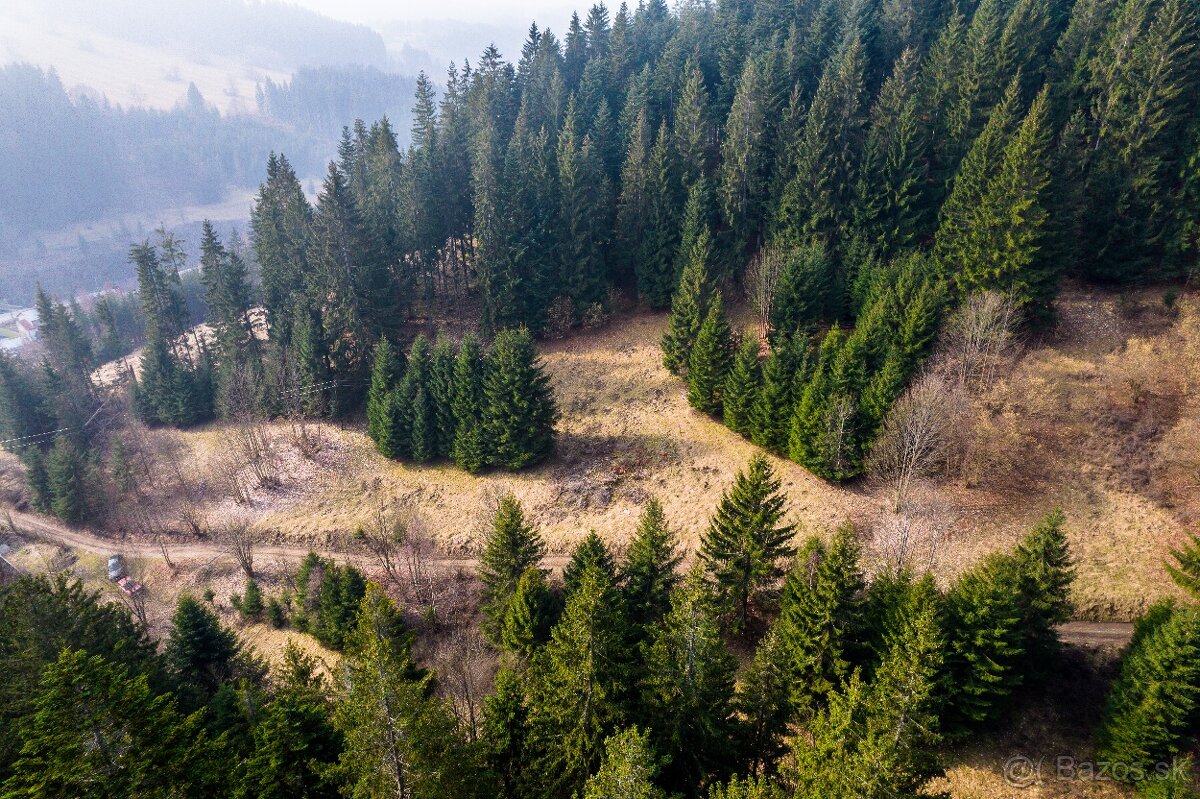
(69, 159)
(278, 35)
(320, 100)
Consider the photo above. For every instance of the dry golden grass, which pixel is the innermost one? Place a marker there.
(1098, 419)
(626, 433)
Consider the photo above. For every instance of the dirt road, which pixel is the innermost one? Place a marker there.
(42, 529)
(1096, 635)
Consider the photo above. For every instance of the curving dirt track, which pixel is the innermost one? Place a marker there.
(1086, 634)
(40, 528)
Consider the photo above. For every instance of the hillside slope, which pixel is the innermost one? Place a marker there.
(1099, 417)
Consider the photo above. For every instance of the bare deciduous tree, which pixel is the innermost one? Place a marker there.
(247, 447)
(761, 283)
(151, 528)
(914, 538)
(977, 339)
(384, 536)
(308, 439)
(229, 472)
(239, 543)
(835, 438)
(467, 667)
(419, 553)
(915, 436)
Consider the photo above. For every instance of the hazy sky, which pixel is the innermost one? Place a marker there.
(515, 12)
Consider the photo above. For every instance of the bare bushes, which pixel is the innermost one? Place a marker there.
(937, 427)
(918, 437)
(402, 548)
(307, 438)
(466, 667)
(247, 460)
(978, 341)
(761, 282)
(914, 538)
(239, 540)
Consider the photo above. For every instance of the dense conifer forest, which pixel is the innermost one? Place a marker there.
(852, 172)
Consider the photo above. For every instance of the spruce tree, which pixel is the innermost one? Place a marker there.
(878, 740)
(970, 184)
(1185, 571)
(492, 229)
(1153, 703)
(745, 159)
(381, 423)
(764, 701)
(529, 614)
(1046, 574)
(742, 387)
(295, 743)
(342, 263)
(689, 307)
(999, 249)
(519, 413)
(1140, 77)
(522, 288)
(575, 683)
(710, 360)
(693, 131)
(469, 449)
(888, 193)
(655, 269)
(512, 547)
(502, 737)
(633, 204)
(627, 770)
(399, 739)
(698, 217)
(200, 652)
(818, 623)
(280, 222)
(36, 477)
(227, 295)
(251, 605)
(22, 407)
(318, 384)
(803, 294)
(67, 481)
(441, 394)
(983, 625)
(583, 201)
(745, 542)
(817, 201)
(97, 729)
(820, 418)
(168, 391)
(589, 552)
(112, 342)
(648, 575)
(418, 420)
(783, 377)
(687, 690)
